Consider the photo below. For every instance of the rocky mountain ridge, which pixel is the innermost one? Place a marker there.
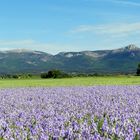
(122, 60)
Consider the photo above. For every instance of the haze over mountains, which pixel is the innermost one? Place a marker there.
(122, 60)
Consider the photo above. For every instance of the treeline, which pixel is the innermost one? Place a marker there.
(15, 76)
(60, 74)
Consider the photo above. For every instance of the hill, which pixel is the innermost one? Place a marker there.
(122, 60)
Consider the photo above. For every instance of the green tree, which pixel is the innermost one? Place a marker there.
(15, 76)
(44, 75)
(55, 74)
(138, 70)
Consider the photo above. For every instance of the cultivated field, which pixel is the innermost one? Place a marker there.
(86, 81)
(93, 108)
(70, 113)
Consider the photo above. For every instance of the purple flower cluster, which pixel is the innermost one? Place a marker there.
(71, 113)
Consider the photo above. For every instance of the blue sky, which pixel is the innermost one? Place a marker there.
(69, 25)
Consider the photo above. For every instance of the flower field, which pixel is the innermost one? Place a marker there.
(70, 113)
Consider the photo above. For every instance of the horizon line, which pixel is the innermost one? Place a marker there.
(20, 50)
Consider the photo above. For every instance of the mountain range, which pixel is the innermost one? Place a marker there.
(122, 60)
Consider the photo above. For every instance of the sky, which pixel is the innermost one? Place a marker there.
(69, 25)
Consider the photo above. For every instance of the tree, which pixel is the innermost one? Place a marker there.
(138, 70)
(55, 74)
(15, 76)
(44, 75)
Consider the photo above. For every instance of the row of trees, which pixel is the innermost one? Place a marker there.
(15, 76)
(60, 74)
(56, 74)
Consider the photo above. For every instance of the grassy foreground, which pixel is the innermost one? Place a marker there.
(83, 81)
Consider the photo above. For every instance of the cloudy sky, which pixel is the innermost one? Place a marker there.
(69, 25)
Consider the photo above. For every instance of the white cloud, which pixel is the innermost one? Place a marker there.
(113, 29)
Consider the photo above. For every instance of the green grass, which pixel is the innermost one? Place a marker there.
(83, 81)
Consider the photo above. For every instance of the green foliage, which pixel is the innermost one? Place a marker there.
(16, 76)
(44, 75)
(138, 70)
(100, 124)
(136, 137)
(114, 137)
(54, 74)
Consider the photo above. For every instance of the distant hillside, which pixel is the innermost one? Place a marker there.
(122, 60)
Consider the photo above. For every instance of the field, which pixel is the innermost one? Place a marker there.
(93, 108)
(83, 81)
(70, 113)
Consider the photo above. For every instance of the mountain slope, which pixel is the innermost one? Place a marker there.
(17, 61)
(108, 61)
(103, 61)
